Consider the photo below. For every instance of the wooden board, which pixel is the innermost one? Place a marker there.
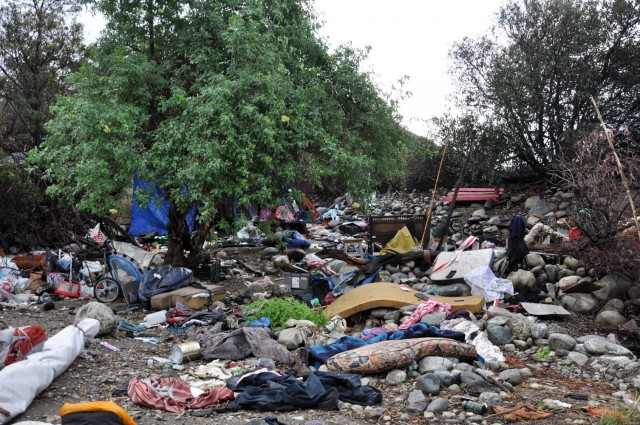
(392, 295)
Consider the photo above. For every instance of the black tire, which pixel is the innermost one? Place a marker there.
(107, 290)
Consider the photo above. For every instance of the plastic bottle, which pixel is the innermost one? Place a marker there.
(155, 318)
(472, 406)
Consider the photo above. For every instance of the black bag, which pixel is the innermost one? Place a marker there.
(163, 279)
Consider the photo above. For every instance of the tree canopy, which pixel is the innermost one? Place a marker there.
(532, 75)
(215, 100)
(40, 42)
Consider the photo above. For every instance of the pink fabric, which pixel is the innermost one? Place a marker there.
(173, 394)
(265, 214)
(283, 213)
(323, 266)
(426, 307)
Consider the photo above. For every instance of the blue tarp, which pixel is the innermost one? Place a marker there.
(153, 217)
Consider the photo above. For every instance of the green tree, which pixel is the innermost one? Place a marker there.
(40, 43)
(532, 75)
(234, 98)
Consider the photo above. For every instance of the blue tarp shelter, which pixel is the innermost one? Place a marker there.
(153, 217)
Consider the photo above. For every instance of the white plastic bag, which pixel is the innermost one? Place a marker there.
(8, 267)
(89, 267)
(474, 336)
(483, 282)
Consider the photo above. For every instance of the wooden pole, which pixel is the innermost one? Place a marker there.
(455, 193)
(625, 182)
(427, 223)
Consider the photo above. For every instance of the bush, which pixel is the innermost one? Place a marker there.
(279, 310)
(601, 207)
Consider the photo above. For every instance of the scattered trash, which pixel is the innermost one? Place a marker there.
(153, 319)
(474, 407)
(150, 340)
(186, 352)
(109, 346)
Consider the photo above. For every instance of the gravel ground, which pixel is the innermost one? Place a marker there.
(97, 371)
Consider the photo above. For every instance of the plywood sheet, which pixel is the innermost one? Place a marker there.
(463, 264)
(392, 295)
(545, 309)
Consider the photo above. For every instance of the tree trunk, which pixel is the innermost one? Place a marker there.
(178, 232)
(197, 241)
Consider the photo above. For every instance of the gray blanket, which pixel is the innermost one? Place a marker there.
(239, 344)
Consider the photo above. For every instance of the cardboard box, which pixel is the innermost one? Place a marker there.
(296, 281)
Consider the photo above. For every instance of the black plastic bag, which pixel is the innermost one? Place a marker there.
(163, 279)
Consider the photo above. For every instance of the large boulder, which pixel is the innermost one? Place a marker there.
(600, 347)
(610, 318)
(520, 327)
(558, 341)
(542, 207)
(551, 270)
(499, 335)
(613, 285)
(530, 202)
(100, 312)
(534, 260)
(567, 282)
(291, 338)
(522, 279)
(580, 303)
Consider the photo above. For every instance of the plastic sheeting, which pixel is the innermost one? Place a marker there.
(483, 282)
(401, 243)
(476, 337)
(154, 216)
(21, 382)
(142, 258)
(163, 279)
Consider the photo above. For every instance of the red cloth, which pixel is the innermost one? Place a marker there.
(173, 394)
(24, 340)
(574, 234)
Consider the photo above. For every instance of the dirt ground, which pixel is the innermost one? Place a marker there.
(98, 371)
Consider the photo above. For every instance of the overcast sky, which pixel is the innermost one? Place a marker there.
(407, 37)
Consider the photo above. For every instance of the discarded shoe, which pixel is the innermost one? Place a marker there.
(302, 363)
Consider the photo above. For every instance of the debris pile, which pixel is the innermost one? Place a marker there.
(351, 312)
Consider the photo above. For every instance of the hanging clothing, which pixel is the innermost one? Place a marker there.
(516, 247)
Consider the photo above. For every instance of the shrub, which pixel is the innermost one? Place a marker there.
(279, 310)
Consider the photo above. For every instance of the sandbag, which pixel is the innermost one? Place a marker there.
(194, 298)
(396, 354)
(163, 279)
